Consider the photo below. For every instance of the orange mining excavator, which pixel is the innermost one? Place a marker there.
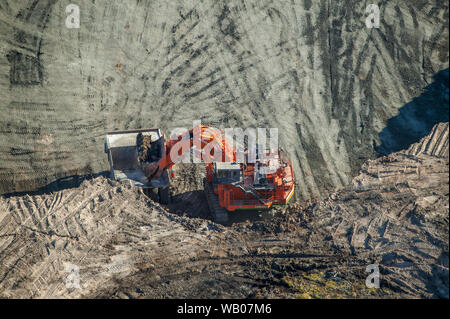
(252, 183)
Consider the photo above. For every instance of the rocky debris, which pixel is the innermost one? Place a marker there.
(435, 143)
(397, 211)
(144, 145)
(186, 187)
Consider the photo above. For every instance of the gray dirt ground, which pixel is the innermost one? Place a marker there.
(309, 68)
(395, 213)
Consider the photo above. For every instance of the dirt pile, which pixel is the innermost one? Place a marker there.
(143, 144)
(108, 230)
(396, 211)
(436, 143)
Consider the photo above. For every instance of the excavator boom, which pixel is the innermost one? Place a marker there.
(207, 141)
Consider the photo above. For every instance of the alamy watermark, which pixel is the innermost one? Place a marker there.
(73, 278)
(252, 145)
(373, 18)
(373, 280)
(73, 16)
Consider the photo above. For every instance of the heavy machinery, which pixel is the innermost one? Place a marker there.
(254, 183)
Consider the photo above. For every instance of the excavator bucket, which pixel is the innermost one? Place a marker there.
(123, 157)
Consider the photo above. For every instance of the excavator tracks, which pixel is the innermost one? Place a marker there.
(219, 213)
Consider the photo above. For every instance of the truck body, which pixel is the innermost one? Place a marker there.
(120, 146)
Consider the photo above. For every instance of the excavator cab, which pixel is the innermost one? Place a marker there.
(227, 173)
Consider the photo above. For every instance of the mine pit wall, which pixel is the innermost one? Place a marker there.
(310, 68)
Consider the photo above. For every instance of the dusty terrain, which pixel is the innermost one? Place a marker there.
(340, 94)
(395, 213)
(337, 91)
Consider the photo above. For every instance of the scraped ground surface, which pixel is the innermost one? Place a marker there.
(312, 69)
(394, 214)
